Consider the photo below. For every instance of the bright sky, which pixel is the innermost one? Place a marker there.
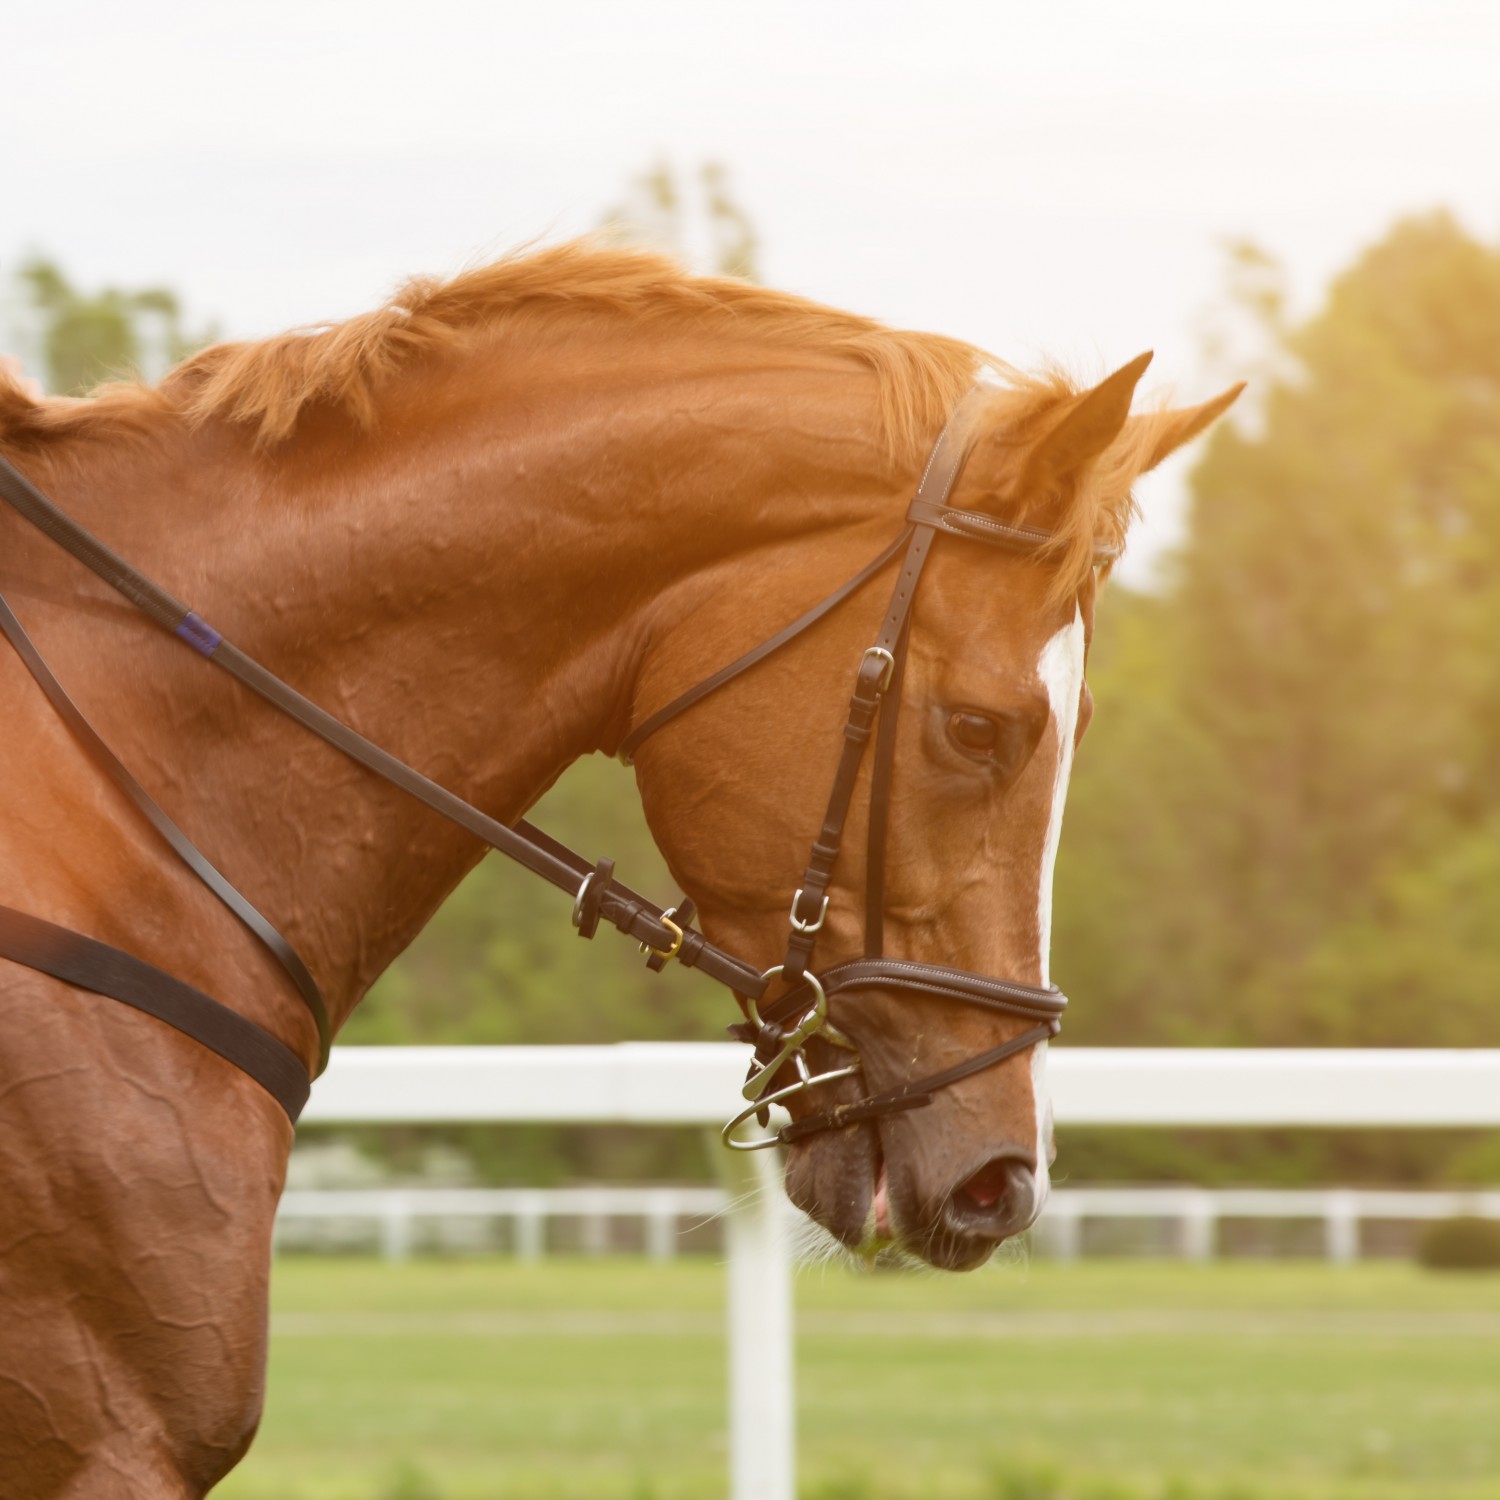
(1047, 180)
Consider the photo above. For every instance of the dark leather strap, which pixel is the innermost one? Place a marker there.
(151, 810)
(913, 1095)
(103, 970)
(644, 730)
(1005, 996)
(620, 906)
(872, 684)
(882, 773)
(935, 981)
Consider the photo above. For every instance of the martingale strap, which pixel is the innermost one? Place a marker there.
(185, 848)
(103, 970)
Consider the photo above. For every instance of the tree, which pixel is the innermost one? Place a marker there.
(89, 337)
(1298, 737)
(695, 217)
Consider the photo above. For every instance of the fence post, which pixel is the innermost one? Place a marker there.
(1062, 1235)
(395, 1227)
(1341, 1227)
(661, 1226)
(593, 1229)
(530, 1227)
(1198, 1218)
(761, 1401)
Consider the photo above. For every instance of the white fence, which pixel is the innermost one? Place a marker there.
(698, 1083)
(1197, 1213)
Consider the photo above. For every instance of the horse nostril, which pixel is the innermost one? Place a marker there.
(999, 1200)
(989, 1184)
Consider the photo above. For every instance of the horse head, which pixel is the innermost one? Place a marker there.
(990, 706)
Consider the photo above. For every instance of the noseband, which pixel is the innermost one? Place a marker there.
(779, 1030)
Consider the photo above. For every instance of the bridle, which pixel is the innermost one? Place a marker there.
(779, 1030)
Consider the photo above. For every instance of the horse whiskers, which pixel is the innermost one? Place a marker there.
(813, 1245)
(751, 1196)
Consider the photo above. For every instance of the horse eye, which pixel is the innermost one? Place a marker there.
(977, 733)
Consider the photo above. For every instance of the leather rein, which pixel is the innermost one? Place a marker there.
(779, 1030)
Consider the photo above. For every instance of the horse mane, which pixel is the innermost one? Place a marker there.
(264, 387)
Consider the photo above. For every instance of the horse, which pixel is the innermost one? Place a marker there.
(495, 525)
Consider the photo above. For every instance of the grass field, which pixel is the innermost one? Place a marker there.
(604, 1380)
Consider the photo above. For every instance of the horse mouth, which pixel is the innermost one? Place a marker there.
(962, 1234)
(884, 1235)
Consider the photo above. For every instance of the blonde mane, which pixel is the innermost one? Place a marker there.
(264, 387)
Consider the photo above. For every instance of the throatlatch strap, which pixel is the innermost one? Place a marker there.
(644, 730)
(95, 966)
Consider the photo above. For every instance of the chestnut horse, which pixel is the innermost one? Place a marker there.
(494, 525)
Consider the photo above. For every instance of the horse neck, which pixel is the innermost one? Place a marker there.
(474, 584)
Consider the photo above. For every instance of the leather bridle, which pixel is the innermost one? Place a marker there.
(779, 1030)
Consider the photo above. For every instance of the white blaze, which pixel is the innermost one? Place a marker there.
(1060, 671)
(1043, 1102)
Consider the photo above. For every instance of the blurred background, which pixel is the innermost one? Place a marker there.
(1284, 828)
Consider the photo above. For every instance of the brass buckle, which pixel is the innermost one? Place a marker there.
(666, 955)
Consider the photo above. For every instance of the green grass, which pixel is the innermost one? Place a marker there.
(486, 1380)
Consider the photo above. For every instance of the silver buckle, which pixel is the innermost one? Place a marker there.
(890, 666)
(798, 925)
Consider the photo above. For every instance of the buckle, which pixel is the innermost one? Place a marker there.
(889, 670)
(666, 955)
(798, 925)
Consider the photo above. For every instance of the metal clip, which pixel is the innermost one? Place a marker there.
(791, 1041)
(798, 925)
(805, 1080)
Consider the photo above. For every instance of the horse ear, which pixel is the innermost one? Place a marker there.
(1171, 429)
(1083, 426)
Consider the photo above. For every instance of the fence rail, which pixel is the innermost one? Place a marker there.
(697, 1083)
(1197, 1213)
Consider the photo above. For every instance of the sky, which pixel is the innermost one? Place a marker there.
(1054, 182)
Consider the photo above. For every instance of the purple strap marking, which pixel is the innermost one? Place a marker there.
(198, 633)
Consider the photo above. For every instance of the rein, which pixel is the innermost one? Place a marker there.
(779, 1030)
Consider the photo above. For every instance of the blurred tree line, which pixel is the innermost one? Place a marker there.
(1283, 829)
(71, 339)
(1286, 830)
